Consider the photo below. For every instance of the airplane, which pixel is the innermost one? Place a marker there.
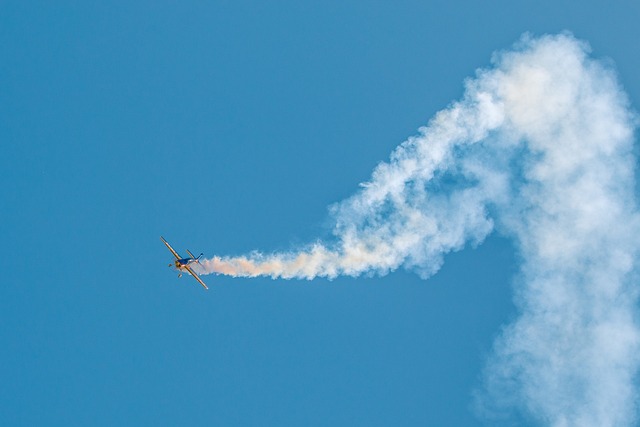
(183, 264)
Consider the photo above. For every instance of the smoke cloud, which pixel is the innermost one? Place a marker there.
(540, 148)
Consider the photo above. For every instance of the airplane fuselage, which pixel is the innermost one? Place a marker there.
(182, 263)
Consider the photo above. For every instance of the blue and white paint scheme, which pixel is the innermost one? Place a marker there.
(183, 264)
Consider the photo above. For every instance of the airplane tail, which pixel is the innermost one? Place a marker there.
(196, 259)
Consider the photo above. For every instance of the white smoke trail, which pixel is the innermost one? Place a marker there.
(540, 147)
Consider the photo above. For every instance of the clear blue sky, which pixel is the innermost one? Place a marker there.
(230, 126)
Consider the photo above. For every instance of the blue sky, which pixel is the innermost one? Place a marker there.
(228, 127)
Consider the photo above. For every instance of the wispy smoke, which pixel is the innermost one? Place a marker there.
(539, 148)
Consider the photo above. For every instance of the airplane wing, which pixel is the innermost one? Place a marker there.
(195, 276)
(175, 254)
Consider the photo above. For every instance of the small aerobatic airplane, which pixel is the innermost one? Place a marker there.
(183, 264)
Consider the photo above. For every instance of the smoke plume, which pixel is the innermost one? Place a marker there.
(540, 148)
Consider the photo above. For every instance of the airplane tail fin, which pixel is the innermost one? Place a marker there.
(196, 259)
